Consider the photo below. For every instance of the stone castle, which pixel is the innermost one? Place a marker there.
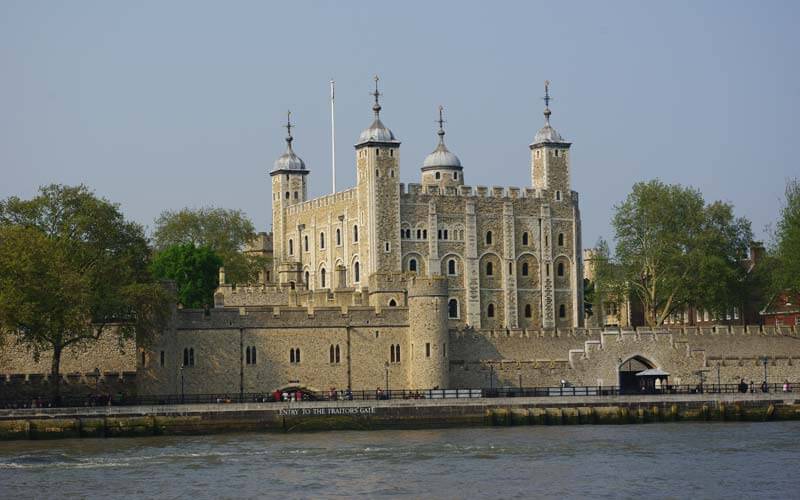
(436, 284)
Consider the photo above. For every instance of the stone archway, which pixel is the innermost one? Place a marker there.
(628, 383)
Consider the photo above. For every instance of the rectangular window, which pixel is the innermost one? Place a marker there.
(427, 349)
(444, 350)
(161, 362)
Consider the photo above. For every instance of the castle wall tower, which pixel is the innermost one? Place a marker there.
(550, 158)
(378, 184)
(428, 334)
(289, 187)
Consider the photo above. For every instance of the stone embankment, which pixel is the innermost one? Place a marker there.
(363, 415)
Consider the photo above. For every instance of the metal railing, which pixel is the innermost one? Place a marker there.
(290, 395)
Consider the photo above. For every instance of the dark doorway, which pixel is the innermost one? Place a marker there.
(628, 382)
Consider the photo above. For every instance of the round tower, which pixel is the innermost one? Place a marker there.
(428, 334)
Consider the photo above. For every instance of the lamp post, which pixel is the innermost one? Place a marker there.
(718, 380)
(386, 366)
(491, 376)
(766, 384)
(519, 374)
(181, 384)
(97, 380)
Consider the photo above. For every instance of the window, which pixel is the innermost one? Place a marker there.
(338, 237)
(452, 309)
(322, 277)
(524, 268)
(438, 176)
(247, 355)
(332, 355)
(490, 311)
(391, 171)
(144, 359)
(294, 355)
(356, 272)
(525, 238)
(307, 281)
(424, 234)
(445, 234)
(305, 243)
(338, 357)
(547, 269)
(162, 359)
(488, 237)
(560, 269)
(562, 311)
(391, 353)
(397, 353)
(377, 152)
(251, 355)
(295, 195)
(408, 234)
(451, 267)
(444, 350)
(439, 235)
(321, 240)
(287, 195)
(377, 174)
(188, 356)
(412, 265)
(489, 269)
(291, 247)
(527, 310)
(510, 270)
(335, 354)
(427, 349)
(355, 233)
(455, 176)
(558, 195)
(392, 303)
(419, 234)
(561, 239)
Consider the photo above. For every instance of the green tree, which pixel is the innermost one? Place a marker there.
(71, 266)
(674, 250)
(788, 240)
(609, 282)
(194, 270)
(224, 231)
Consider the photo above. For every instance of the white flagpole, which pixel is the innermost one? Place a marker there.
(333, 140)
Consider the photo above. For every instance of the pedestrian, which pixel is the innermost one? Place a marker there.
(764, 386)
(786, 387)
(752, 386)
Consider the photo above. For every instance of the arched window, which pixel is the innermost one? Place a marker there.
(558, 195)
(321, 240)
(560, 269)
(338, 237)
(356, 272)
(412, 265)
(524, 268)
(391, 353)
(488, 237)
(291, 247)
(489, 269)
(322, 277)
(397, 353)
(438, 176)
(191, 356)
(525, 238)
(527, 310)
(452, 308)
(451, 267)
(253, 355)
(419, 234)
(392, 303)
(408, 234)
(424, 234)
(307, 279)
(510, 269)
(291, 355)
(247, 356)
(332, 354)
(562, 311)
(338, 358)
(561, 239)
(305, 243)
(355, 233)
(490, 311)
(185, 357)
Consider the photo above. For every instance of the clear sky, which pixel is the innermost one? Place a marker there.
(164, 104)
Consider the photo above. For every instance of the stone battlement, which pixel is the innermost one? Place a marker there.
(322, 201)
(434, 286)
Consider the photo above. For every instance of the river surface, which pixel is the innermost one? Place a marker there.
(682, 460)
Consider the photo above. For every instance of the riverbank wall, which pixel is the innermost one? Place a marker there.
(398, 414)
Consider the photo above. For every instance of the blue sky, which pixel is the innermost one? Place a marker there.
(161, 105)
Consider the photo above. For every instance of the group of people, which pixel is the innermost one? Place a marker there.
(751, 387)
(335, 395)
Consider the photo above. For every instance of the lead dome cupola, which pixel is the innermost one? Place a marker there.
(441, 157)
(547, 134)
(289, 159)
(377, 131)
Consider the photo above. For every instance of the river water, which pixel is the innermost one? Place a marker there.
(696, 460)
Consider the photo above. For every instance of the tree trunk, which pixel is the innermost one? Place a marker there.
(55, 375)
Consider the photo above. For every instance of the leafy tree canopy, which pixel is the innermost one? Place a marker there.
(224, 231)
(194, 270)
(675, 250)
(788, 240)
(70, 265)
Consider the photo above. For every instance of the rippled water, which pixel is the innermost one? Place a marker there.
(659, 460)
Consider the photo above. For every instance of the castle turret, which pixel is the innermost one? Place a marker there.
(378, 166)
(428, 334)
(442, 168)
(550, 158)
(288, 188)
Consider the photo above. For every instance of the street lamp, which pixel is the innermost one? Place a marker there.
(519, 374)
(96, 380)
(718, 380)
(491, 376)
(181, 384)
(386, 365)
(766, 385)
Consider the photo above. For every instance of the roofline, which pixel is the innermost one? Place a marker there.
(288, 171)
(382, 143)
(535, 145)
(451, 167)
